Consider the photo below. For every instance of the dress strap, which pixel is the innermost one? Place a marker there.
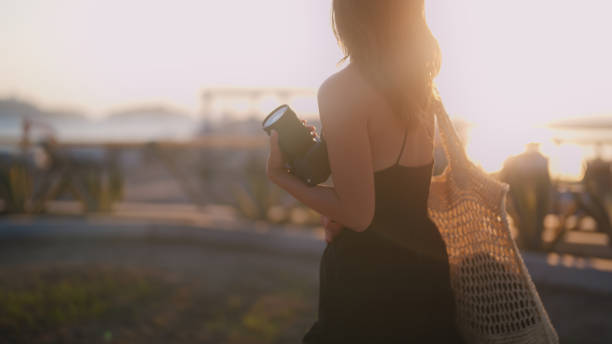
(403, 143)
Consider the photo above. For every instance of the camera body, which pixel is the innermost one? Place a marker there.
(306, 156)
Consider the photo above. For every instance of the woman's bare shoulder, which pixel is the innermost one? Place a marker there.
(346, 91)
(347, 81)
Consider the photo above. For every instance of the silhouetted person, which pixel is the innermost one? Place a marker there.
(598, 176)
(530, 186)
(597, 182)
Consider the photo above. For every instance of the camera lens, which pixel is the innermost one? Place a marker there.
(275, 116)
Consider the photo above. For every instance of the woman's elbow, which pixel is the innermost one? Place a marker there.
(363, 222)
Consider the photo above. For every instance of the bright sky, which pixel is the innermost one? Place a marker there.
(100, 54)
(506, 64)
(546, 58)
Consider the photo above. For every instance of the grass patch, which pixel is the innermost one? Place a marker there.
(88, 304)
(38, 300)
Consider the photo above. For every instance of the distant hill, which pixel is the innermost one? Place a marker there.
(232, 126)
(149, 113)
(592, 123)
(147, 122)
(135, 123)
(15, 109)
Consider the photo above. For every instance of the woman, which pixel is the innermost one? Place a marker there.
(384, 274)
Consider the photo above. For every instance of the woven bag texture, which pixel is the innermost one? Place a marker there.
(496, 299)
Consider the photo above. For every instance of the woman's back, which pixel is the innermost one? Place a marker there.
(385, 277)
(391, 281)
(386, 132)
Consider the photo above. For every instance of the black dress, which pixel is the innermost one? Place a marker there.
(389, 283)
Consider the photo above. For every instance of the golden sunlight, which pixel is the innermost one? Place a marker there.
(510, 68)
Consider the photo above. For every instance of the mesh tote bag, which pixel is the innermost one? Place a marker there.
(495, 298)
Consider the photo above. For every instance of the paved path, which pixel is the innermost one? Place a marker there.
(567, 270)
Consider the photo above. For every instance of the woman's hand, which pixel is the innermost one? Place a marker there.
(332, 228)
(276, 161)
(313, 130)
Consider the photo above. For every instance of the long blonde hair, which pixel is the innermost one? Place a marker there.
(391, 44)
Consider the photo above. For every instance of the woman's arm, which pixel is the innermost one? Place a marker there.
(321, 198)
(351, 200)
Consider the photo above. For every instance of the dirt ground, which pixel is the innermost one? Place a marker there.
(143, 290)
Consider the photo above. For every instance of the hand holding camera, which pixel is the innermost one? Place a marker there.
(295, 147)
(276, 160)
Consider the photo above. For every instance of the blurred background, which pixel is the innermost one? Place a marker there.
(134, 205)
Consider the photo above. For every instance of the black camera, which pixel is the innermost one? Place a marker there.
(306, 156)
